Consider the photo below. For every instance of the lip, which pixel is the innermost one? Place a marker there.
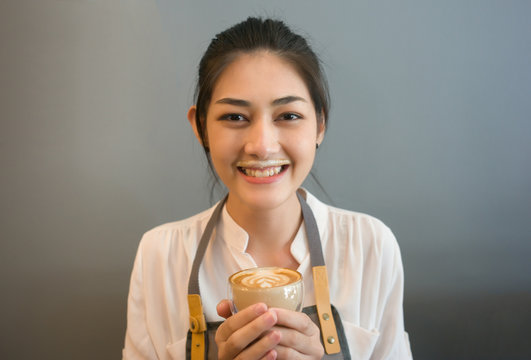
(267, 179)
(263, 180)
(261, 164)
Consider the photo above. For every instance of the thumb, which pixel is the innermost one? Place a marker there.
(223, 309)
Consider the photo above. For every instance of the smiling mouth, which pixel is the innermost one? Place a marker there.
(262, 169)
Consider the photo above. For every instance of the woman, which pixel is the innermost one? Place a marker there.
(261, 112)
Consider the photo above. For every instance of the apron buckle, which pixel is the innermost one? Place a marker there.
(197, 324)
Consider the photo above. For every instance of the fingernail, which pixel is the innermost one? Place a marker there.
(260, 308)
(275, 336)
(271, 317)
(272, 354)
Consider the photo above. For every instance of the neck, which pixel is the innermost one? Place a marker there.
(271, 231)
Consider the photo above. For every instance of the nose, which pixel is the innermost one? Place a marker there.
(262, 139)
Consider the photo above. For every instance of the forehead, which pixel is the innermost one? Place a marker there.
(260, 75)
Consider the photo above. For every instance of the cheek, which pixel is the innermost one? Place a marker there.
(212, 136)
(222, 148)
(302, 149)
(222, 144)
(304, 140)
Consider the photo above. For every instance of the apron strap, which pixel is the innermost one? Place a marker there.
(312, 233)
(193, 282)
(320, 279)
(197, 317)
(197, 327)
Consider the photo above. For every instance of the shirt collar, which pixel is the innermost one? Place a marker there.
(299, 247)
(232, 233)
(236, 237)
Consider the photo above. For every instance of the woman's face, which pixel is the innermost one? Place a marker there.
(262, 130)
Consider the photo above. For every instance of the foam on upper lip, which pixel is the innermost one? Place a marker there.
(260, 164)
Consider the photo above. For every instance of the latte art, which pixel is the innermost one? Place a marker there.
(277, 287)
(266, 279)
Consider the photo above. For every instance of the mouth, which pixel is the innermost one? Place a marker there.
(262, 169)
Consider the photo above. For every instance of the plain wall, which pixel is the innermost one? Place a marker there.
(430, 131)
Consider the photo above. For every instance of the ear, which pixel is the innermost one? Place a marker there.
(321, 129)
(191, 119)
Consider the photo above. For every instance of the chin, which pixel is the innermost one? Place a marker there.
(265, 199)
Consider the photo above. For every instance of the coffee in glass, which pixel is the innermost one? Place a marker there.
(274, 286)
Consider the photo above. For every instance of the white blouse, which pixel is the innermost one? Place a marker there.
(364, 271)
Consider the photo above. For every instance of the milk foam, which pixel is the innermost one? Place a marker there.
(266, 278)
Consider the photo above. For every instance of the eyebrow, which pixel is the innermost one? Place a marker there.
(287, 99)
(277, 102)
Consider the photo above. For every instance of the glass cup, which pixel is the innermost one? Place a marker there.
(274, 286)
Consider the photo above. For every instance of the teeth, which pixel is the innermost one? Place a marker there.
(263, 172)
(260, 164)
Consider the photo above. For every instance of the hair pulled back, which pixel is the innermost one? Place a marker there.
(255, 34)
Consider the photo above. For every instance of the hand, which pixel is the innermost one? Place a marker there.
(299, 336)
(248, 334)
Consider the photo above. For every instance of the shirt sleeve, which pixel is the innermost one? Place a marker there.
(138, 343)
(393, 342)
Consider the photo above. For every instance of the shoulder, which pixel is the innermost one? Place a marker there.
(363, 226)
(190, 224)
(178, 237)
(360, 247)
(336, 219)
(352, 231)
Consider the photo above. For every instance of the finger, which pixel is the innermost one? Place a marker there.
(285, 352)
(251, 336)
(295, 345)
(239, 320)
(264, 348)
(296, 320)
(270, 355)
(223, 309)
(299, 333)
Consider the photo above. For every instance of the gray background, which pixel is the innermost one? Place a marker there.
(429, 131)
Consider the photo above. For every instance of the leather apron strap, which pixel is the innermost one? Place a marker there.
(320, 278)
(197, 317)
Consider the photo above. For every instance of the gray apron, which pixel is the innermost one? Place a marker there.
(200, 344)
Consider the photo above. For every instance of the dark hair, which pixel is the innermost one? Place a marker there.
(255, 34)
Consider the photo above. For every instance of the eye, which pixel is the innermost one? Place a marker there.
(289, 116)
(233, 117)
